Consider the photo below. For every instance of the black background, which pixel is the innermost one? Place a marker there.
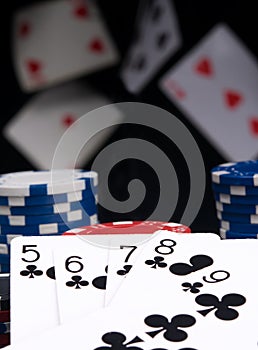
(195, 19)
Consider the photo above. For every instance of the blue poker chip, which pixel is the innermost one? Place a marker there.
(241, 173)
(4, 327)
(21, 201)
(37, 183)
(230, 199)
(48, 228)
(88, 205)
(235, 190)
(237, 209)
(4, 258)
(224, 234)
(22, 220)
(4, 248)
(4, 268)
(6, 239)
(238, 227)
(236, 217)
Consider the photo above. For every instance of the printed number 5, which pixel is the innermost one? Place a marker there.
(27, 249)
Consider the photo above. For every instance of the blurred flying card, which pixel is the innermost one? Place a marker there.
(158, 38)
(37, 129)
(215, 85)
(54, 41)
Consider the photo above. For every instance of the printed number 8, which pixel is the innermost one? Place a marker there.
(165, 247)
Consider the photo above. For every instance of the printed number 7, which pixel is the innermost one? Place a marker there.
(133, 247)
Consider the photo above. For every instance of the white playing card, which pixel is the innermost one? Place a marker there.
(54, 41)
(81, 273)
(124, 250)
(39, 126)
(33, 291)
(215, 84)
(158, 38)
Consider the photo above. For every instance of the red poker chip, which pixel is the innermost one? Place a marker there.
(129, 227)
(4, 340)
(5, 316)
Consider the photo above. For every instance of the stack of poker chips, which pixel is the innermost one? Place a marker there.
(44, 203)
(235, 187)
(4, 310)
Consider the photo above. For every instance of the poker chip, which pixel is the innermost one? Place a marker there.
(5, 316)
(70, 197)
(4, 259)
(21, 220)
(57, 208)
(231, 199)
(48, 228)
(237, 217)
(237, 209)
(4, 268)
(6, 239)
(235, 190)
(4, 293)
(4, 327)
(37, 183)
(4, 339)
(3, 248)
(5, 304)
(129, 227)
(225, 234)
(239, 227)
(240, 173)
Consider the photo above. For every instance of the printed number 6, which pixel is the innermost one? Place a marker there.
(69, 261)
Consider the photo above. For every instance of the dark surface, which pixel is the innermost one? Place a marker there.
(195, 19)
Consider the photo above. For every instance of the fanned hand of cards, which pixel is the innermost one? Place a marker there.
(176, 291)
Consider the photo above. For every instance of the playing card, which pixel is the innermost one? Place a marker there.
(38, 127)
(54, 41)
(81, 274)
(123, 252)
(33, 291)
(215, 84)
(158, 38)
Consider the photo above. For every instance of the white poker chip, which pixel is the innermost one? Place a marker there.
(42, 183)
